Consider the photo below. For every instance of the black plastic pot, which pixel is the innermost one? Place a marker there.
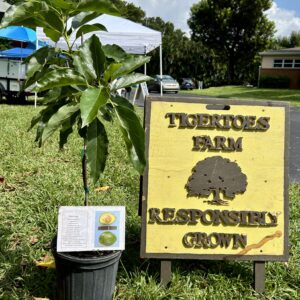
(85, 278)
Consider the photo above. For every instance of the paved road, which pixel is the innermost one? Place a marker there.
(294, 139)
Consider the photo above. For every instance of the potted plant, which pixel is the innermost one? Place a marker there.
(79, 90)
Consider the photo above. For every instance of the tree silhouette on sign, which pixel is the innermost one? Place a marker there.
(215, 175)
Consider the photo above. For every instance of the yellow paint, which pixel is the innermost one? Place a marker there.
(265, 240)
(171, 160)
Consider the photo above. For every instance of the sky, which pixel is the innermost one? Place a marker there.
(285, 13)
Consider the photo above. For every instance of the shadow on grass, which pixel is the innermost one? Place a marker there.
(18, 271)
(17, 102)
(132, 262)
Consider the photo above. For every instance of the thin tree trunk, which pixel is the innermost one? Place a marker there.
(84, 176)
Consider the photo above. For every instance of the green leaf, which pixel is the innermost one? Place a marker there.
(90, 102)
(105, 113)
(51, 95)
(39, 132)
(89, 28)
(54, 35)
(121, 101)
(84, 64)
(130, 64)
(63, 4)
(58, 118)
(30, 80)
(90, 59)
(114, 52)
(82, 131)
(42, 55)
(96, 148)
(24, 14)
(30, 22)
(83, 18)
(36, 63)
(133, 135)
(43, 117)
(32, 67)
(36, 119)
(128, 80)
(66, 92)
(57, 78)
(97, 55)
(53, 20)
(67, 129)
(45, 114)
(36, 13)
(112, 68)
(101, 6)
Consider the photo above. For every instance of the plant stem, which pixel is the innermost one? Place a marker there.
(84, 176)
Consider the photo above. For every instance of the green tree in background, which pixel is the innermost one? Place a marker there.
(236, 30)
(183, 57)
(130, 11)
(288, 41)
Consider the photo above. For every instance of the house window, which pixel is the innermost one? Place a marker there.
(297, 63)
(277, 63)
(288, 63)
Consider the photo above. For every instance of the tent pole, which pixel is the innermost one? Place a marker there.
(20, 65)
(160, 68)
(36, 48)
(145, 65)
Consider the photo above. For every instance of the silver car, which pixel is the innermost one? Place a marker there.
(169, 84)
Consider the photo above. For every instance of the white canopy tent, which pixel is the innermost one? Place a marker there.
(132, 37)
(3, 6)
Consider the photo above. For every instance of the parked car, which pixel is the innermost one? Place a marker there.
(169, 84)
(186, 84)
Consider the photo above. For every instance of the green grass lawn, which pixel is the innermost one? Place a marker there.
(34, 182)
(242, 92)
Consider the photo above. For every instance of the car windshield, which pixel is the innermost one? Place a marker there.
(166, 78)
(188, 80)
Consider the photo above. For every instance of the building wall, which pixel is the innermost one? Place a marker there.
(293, 74)
(267, 61)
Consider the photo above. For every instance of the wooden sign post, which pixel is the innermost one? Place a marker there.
(216, 182)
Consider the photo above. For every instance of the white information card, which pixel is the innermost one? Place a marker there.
(88, 228)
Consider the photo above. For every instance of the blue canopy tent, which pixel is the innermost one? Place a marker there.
(18, 33)
(16, 52)
(22, 34)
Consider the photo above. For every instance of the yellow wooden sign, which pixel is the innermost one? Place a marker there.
(216, 183)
